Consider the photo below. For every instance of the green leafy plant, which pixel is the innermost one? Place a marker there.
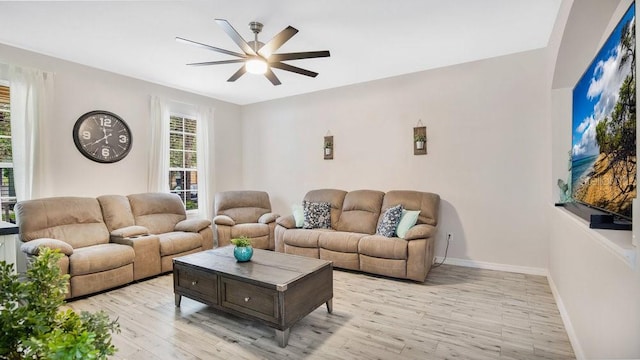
(419, 138)
(328, 145)
(32, 326)
(241, 241)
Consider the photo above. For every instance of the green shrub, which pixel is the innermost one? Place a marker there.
(32, 324)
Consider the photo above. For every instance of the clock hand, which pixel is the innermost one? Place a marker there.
(95, 142)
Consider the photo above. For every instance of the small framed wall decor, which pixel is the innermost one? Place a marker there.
(328, 147)
(420, 140)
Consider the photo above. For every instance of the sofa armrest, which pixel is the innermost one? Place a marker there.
(146, 248)
(192, 225)
(286, 222)
(421, 231)
(130, 231)
(33, 247)
(268, 218)
(223, 220)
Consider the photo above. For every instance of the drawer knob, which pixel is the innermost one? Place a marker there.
(247, 299)
(193, 283)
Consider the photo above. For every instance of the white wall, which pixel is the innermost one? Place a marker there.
(492, 127)
(485, 126)
(79, 89)
(598, 291)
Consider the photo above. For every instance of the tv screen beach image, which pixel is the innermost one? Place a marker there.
(603, 154)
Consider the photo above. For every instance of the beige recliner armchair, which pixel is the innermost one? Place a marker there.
(248, 213)
(75, 226)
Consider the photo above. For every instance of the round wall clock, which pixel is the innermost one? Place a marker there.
(102, 136)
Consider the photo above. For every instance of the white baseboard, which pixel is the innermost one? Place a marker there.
(573, 338)
(494, 266)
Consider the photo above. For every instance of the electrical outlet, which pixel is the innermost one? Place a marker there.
(450, 236)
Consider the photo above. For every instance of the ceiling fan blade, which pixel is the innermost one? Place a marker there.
(217, 62)
(209, 47)
(295, 69)
(237, 74)
(233, 34)
(299, 55)
(276, 42)
(272, 77)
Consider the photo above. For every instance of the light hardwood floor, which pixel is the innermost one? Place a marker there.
(458, 313)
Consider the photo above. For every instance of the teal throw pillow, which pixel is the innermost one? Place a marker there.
(298, 215)
(408, 219)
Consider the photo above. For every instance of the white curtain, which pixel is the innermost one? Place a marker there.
(31, 101)
(205, 176)
(159, 152)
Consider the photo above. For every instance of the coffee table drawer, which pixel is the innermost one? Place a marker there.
(197, 282)
(250, 299)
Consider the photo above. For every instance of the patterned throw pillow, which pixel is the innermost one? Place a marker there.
(390, 221)
(316, 215)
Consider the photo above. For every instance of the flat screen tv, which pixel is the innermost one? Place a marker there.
(603, 154)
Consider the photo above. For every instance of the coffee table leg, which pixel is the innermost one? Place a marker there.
(178, 298)
(283, 337)
(330, 306)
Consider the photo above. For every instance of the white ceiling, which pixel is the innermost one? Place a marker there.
(368, 39)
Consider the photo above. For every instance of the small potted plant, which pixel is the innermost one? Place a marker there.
(243, 250)
(420, 140)
(327, 147)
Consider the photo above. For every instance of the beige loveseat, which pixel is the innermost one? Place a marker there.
(352, 243)
(112, 240)
(244, 213)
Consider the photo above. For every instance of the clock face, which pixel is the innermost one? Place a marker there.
(102, 136)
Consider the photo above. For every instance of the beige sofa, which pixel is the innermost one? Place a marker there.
(352, 243)
(244, 213)
(112, 240)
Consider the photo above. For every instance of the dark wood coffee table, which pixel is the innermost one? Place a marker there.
(274, 288)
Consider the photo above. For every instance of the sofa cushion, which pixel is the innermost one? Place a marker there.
(242, 206)
(75, 220)
(158, 212)
(333, 197)
(116, 211)
(383, 247)
(427, 203)
(340, 241)
(250, 230)
(306, 238)
(316, 215)
(97, 258)
(178, 242)
(360, 211)
(389, 221)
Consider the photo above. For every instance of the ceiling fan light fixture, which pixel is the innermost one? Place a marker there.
(259, 58)
(256, 66)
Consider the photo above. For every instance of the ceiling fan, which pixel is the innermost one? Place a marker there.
(258, 57)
